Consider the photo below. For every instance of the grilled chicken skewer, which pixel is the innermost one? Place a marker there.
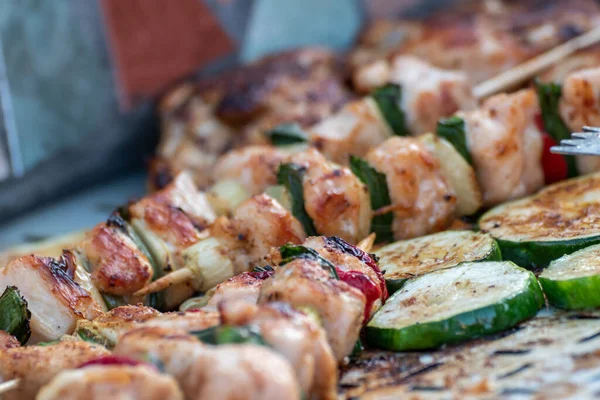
(124, 318)
(512, 117)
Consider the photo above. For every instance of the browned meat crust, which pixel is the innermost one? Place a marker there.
(203, 120)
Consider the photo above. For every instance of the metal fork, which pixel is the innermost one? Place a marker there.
(586, 143)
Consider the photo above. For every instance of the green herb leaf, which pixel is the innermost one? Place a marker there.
(224, 334)
(113, 301)
(290, 252)
(155, 300)
(388, 99)
(380, 197)
(92, 337)
(14, 314)
(358, 348)
(266, 268)
(286, 134)
(549, 98)
(453, 130)
(290, 175)
(50, 343)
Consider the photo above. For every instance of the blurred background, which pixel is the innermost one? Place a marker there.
(79, 82)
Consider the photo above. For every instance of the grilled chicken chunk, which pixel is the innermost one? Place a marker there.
(355, 264)
(237, 107)
(506, 146)
(192, 138)
(480, 38)
(304, 283)
(37, 365)
(294, 335)
(171, 219)
(168, 222)
(206, 372)
(55, 301)
(428, 93)
(258, 224)
(335, 199)
(117, 382)
(357, 127)
(254, 167)
(108, 327)
(117, 265)
(244, 287)
(422, 199)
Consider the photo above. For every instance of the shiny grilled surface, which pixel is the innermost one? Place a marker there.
(555, 355)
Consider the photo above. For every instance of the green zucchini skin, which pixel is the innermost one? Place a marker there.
(560, 219)
(388, 99)
(291, 176)
(393, 285)
(573, 294)
(453, 130)
(380, 197)
(533, 255)
(573, 282)
(287, 134)
(473, 324)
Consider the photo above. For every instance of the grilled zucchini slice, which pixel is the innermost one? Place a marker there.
(559, 220)
(411, 258)
(573, 281)
(454, 305)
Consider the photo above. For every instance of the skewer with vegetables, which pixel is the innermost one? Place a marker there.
(105, 328)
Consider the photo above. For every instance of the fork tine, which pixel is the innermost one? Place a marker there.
(572, 142)
(581, 143)
(571, 150)
(585, 135)
(593, 129)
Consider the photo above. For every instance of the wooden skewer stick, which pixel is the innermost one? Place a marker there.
(9, 385)
(367, 243)
(173, 278)
(529, 69)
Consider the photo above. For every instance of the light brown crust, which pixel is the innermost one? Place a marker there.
(37, 365)
(118, 267)
(170, 223)
(73, 296)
